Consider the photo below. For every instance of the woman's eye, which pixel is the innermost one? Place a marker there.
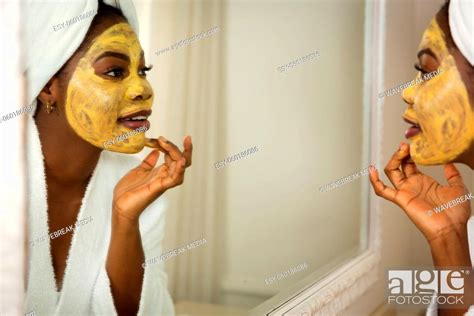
(144, 70)
(115, 72)
(418, 67)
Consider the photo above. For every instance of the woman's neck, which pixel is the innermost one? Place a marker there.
(468, 157)
(69, 160)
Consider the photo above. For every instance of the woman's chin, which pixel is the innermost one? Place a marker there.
(430, 159)
(126, 149)
(130, 150)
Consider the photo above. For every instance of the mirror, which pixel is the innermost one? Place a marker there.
(273, 94)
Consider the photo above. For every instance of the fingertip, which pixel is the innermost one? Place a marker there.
(373, 175)
(153, 152)
(403, 147)
(150, 160)
(403, 152)
(450, 167)
(187, 141)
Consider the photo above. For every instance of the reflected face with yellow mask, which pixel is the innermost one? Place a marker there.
(108, 94)
(440, 109)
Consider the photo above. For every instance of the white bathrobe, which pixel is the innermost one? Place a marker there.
(86, 287)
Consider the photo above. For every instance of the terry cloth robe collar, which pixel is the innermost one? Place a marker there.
(42, 285)
(86, 287)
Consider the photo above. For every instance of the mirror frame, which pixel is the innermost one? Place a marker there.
(330, 290)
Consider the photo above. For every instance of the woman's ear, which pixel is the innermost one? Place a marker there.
(51, 92)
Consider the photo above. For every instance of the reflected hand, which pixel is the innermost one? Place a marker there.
(418, 194)
(144, 184)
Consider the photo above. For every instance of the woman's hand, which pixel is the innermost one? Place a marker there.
(418, 195)
(144, 184)
(446, 231)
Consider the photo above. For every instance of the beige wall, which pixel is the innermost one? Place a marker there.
(307, 124)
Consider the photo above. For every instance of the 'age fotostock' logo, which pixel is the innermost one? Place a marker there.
(420, 287)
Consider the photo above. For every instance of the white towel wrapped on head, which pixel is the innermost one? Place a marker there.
(461, 24)
(47, 47)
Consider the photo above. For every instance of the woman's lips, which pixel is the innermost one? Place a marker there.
(136, 124)
(413, 130)
(136, 120)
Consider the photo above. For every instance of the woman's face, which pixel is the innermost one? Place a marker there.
(439, 109)
(108, 94)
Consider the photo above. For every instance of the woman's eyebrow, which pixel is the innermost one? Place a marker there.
(428, 52)
(113, 54)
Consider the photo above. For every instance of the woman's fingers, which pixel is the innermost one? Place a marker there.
(188, 150)
(162, 171)
(165, 177)
(153, 143)
(392, 169)
(175, 175)
(171, 151)
(172, 166)
(380, 188)
(408, 165)
(168, 159)
(170, 148)
(150, 161)
(452, 175)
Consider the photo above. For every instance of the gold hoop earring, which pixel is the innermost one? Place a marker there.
(49, 107)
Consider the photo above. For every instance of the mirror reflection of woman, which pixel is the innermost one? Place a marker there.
(89, 102)
(441, 112)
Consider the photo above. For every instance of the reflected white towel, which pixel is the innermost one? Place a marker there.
(461, 24)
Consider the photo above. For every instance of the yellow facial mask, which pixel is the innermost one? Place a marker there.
(440, 107)
(102, 109)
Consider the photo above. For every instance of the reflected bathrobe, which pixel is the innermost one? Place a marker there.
(86, 286)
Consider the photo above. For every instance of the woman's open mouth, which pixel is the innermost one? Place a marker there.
(136, 120)
(413, 130)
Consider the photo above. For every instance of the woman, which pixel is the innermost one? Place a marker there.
(441, 112)
(93, 100)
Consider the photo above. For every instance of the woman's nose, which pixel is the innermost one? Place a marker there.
(139, 91)
(408, 95)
